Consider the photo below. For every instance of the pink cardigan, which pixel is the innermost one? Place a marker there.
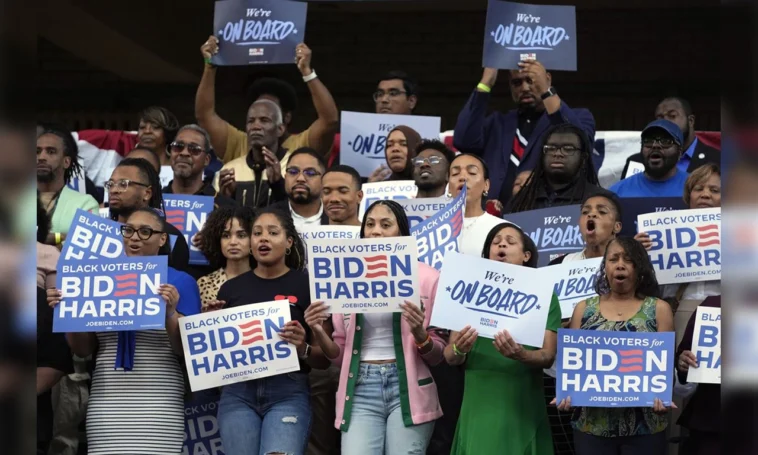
(418, 392)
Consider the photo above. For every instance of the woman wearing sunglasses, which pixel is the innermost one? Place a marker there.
(387, 399)
(137, 398)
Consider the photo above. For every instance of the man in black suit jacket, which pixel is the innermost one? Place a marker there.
(695, 153)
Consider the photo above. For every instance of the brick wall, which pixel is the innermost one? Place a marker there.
(628, 60)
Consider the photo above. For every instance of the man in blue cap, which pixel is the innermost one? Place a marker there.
(661, 150)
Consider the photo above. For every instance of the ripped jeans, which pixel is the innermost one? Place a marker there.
(268, 415)
(376, 419)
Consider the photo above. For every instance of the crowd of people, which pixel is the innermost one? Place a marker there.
(375, 383)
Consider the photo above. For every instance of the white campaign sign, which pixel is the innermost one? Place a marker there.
(419, 210)
(573, 282)
(706, 345)
(364, 275)
(491, 296)
(686, 244)
(634, 168)
(237, 344)
(395, 190)
(363, 136)
(327, 232)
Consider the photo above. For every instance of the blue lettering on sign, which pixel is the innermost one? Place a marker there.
(708, 338)
(372, 145)
(493, 299)
(575, 287)
(229, 337)
(369, 269)
(680, 238)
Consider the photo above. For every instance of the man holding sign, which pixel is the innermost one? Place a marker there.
(515, 132)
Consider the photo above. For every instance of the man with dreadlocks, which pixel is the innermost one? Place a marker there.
(564, 175)
(134, 185)
(57, 162)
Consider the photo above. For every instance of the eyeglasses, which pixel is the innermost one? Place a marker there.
(143, 233)
(567, 149)
(432, 160)
(122, 184)
(393, 93)
(308, 173)
(178, 147)
(662, 141)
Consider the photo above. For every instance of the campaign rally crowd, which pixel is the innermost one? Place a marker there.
(374, 382)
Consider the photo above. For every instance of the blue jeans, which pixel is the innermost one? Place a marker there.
(269, 415)
(376, 420)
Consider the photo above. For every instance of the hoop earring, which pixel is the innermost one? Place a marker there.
(287, 251)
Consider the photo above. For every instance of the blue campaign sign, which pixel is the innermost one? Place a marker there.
(201, 434)
(258, 31)
(439, 234)
(111, 294)
(92, 236)
(633, 207)
(555, 230)
(363, 136)
(614, 369)
(188, 214)
(517, 31)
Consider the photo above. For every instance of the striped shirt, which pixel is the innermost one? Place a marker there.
(139, 411)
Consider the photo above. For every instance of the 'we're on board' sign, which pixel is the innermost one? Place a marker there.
(515, 32)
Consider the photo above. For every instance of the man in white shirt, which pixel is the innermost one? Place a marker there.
(302, 183)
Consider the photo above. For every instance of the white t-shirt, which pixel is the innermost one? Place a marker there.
(378, 339)
(474, 233)
(301, 221)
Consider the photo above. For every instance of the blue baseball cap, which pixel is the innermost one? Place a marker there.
(669, 127)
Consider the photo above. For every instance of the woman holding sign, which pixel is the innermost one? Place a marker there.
(503, 385)
(138, 373)
(399, 150)
(271, 414)
(387, 399)
(628, 302)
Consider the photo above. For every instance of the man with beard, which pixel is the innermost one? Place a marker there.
(696, 153)
(255, 180)
(190, 154)
(564, 176)
(341, 195)
(430, 168)
(133, 185)
(57, 162)
(302, 182)
(507, 141)
(661, 149)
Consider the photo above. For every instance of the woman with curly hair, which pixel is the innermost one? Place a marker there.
(226, 245)
(271, 414)
(627, 301)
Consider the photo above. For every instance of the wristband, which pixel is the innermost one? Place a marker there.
(208, 62)
(311, 76)
(484, 87)
(427, 341)
(457, 352)
(57, 238)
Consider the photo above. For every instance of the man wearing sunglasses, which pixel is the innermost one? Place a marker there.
(190, 154)
(508, 141)
(302, 182)
(430, 168)
(661, 150)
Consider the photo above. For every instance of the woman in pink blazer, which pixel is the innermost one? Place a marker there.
(387, 399)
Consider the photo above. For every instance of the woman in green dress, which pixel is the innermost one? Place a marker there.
(503, 408)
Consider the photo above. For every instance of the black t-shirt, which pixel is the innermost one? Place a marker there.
(250, 288)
